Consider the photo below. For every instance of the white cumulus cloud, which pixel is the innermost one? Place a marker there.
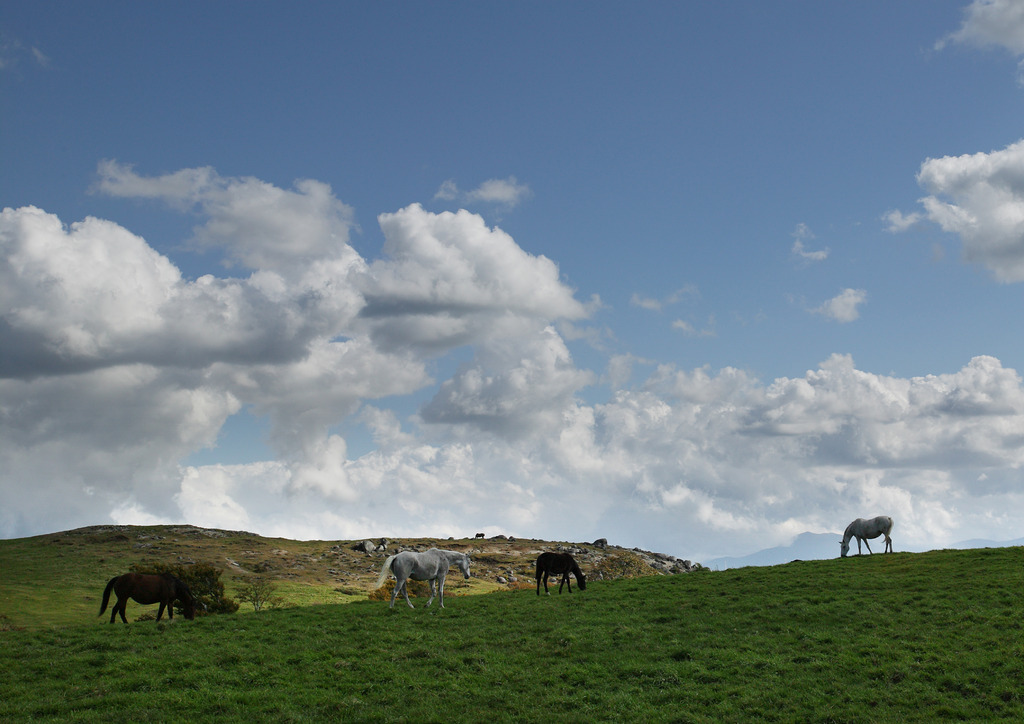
(897, 221)
(449, 280)
(980, 197)
(115, 371)
(506, 193)
(259, 225)
(991, 22)
(844, 307)
(114, 368)
(801, 234)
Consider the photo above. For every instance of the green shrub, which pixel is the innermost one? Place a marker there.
(259, 591)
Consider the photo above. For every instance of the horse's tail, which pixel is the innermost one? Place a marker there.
(385, 571)
(106, 594)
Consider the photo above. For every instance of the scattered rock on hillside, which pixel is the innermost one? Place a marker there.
(364, 546)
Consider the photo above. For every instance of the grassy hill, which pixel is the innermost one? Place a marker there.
(901, 637)
(303, 573)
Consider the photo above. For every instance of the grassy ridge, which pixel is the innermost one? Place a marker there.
(80, 562)
(901, 637)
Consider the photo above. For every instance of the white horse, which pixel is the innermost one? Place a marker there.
(430, 566)
(862, 529)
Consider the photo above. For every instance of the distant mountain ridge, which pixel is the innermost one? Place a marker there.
(821, 546)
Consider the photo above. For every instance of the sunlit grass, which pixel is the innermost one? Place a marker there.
(80, 563)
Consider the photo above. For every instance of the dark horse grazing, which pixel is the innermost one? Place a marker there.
(147, 588)
(559, 564)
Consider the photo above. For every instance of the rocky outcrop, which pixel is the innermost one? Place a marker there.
(666, 563)
(368, 546)
(364, 546)
(610, 561)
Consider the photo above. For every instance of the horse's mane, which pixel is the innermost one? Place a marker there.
(445, 550)
(180, 587)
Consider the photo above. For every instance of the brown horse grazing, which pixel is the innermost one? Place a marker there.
(148, 588)
(559, 564)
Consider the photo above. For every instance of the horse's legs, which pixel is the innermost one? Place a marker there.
(868, 545)
(399, 588)
(546, 591)
(119, 607)
(564, 581)
(433, 591)
(440, 586)
(405, 592)
(888, 544)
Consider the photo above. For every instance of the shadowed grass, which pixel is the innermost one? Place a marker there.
(902, 637)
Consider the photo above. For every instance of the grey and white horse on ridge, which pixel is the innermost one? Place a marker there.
(431, 565)
(862, 529)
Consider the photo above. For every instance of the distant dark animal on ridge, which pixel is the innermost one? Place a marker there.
(559, 564)
(862, 529)
(148, 588)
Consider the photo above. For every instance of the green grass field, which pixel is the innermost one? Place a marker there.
(902, 637)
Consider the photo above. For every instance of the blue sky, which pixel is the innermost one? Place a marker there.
(695, 277)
